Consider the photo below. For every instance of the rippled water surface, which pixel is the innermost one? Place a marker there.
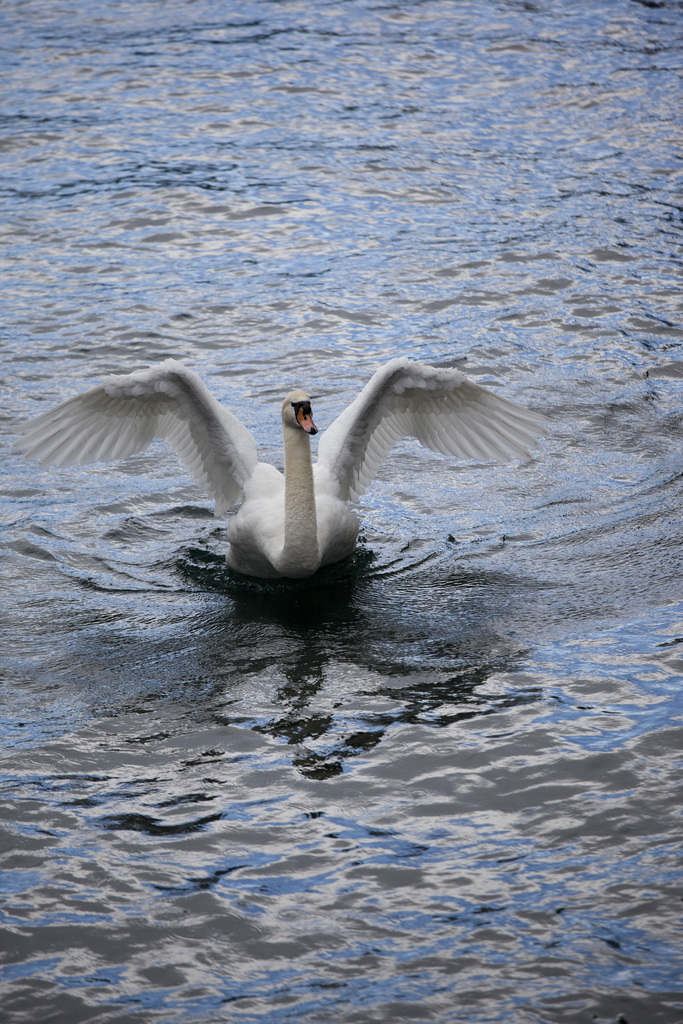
(440, 781)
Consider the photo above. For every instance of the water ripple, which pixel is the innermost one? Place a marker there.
(439, 781)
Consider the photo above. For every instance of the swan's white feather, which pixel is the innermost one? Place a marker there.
(442, 408)
(445, 410)
(125, 413)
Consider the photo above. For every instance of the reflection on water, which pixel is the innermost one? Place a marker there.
(424, 664)
(439, 781)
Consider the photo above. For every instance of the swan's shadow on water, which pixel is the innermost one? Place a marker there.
(421, 640)
(305, 602)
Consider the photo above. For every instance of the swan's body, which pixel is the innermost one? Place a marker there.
(288, 525)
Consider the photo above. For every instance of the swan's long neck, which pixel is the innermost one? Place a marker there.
(300, 555)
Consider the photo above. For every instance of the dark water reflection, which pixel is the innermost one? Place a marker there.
(440, 781)
(423, 660)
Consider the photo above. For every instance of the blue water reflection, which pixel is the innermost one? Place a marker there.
(439, 781)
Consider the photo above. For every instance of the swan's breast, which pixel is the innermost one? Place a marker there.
(256, 532)
(338, 523)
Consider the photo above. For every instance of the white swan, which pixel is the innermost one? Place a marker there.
(287, 525)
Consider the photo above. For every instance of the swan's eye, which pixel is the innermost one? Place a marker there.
(302, 408)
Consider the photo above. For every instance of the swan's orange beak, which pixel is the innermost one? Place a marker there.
(304, 417)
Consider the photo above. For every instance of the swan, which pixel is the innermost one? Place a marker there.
(287, 525)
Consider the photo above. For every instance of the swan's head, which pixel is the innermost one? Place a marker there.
(296, 412)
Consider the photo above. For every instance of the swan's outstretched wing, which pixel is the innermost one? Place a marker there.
(125, 413)
(442, 408)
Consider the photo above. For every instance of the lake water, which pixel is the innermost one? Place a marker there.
(439, 782)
